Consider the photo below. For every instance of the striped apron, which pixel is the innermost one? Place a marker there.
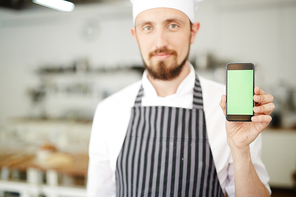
(166, 152)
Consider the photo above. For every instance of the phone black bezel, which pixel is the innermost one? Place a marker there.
(240, 66)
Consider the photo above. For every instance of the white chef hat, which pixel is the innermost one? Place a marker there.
(186, 6)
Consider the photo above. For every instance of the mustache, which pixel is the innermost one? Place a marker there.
(162, 50)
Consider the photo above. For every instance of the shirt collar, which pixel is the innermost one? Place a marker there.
(184, 88)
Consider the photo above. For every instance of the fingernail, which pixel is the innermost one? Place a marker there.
(254, 118)
(257, 98)
(256, 109)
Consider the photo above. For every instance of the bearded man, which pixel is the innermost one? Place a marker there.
(166, 135)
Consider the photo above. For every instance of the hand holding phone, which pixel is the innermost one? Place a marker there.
(239, 91)
(241, 132)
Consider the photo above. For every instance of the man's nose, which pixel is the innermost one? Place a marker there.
(161, 39)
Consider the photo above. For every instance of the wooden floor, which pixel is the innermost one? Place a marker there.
(276, 192)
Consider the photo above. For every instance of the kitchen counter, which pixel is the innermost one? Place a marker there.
(30, 170)
(24, 161)
(66, 180)
(279, 156)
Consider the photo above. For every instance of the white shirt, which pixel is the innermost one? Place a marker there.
(112, 117)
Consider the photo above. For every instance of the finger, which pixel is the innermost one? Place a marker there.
(258, 91)
(264, 109)
(261, 119)
(223, 103)
(263, 99)
(261, 122)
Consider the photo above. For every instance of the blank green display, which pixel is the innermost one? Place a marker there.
(240, 92)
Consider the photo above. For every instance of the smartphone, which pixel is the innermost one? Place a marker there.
(239, 91)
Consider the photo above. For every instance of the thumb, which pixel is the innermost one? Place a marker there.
(223, 103)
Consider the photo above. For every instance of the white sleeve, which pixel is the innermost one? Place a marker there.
(100, 181)
(255, 149)
(229, 186)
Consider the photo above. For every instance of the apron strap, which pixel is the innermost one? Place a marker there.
(197, 96)
(197, 102)
(138, 101)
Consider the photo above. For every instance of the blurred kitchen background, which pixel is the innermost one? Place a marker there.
(56, 66)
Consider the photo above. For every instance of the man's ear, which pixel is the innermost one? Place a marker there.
(194, 30)
(133, 32)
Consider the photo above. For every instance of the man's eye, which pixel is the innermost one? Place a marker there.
(147, 28)
(173, 26)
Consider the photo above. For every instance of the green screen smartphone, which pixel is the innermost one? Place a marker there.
(239, 91)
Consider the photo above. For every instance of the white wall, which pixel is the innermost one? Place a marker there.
(29, 40)
(262, 32)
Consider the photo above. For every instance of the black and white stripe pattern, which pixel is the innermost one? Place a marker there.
(166, 153)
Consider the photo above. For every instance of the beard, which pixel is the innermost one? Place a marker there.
(163, 70)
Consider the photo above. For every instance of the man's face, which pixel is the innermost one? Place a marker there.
(164, 36)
